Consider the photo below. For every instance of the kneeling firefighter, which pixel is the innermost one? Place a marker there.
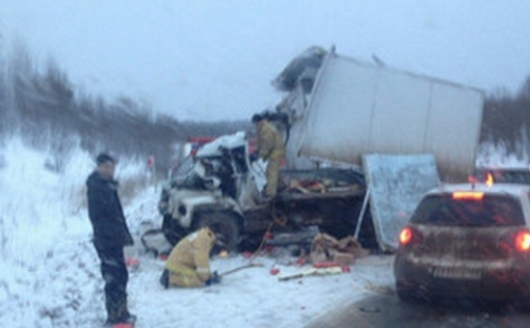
(188, 264)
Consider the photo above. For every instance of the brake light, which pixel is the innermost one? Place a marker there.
(522, 241)
(405, 236)
(470, 195)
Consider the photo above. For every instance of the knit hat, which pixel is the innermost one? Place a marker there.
(104, 158)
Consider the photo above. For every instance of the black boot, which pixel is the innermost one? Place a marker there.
(118, 314)
(124, 316)
(112, 314)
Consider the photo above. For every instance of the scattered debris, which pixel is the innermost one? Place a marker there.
(311, 272)
(133, 263)
(243, 267)
(344, 251)
(302, 238)
(274, 271)
(383, 290)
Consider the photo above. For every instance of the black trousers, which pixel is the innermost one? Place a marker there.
(116, 276)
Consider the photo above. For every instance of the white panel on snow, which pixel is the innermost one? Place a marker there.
(397, 184)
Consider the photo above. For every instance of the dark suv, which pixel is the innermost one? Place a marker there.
(467, 241)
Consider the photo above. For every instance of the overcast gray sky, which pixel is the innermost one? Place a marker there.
(210, 60)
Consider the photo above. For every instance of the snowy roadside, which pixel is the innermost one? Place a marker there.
(64, 288)
(252, 297)
(248, 298)
(49, 271)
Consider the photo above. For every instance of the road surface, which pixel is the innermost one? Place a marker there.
(388, 311)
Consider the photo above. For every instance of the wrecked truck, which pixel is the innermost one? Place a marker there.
(222, 190)
(336, 111)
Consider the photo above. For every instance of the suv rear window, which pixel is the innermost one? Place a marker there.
(492, 210)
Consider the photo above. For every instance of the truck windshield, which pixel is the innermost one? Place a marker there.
(492, 210)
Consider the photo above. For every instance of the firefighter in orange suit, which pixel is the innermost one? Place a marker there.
(188, 264)
(272, 150)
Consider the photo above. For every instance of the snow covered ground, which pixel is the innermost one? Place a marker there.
(50, 273)
(252, 297)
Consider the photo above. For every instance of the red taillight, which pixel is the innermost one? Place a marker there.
(522, 241)
(405, 236)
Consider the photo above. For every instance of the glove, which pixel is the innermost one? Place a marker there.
(253, 157)
(164, 279)
(214, 279)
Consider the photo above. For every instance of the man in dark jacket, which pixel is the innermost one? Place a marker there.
(111, 234)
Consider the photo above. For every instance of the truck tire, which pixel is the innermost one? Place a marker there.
(225, 226)
(172, 231)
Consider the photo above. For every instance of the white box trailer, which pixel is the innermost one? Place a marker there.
(357, 108)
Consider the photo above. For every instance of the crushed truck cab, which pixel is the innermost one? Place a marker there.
(213, 192)
(222, 190)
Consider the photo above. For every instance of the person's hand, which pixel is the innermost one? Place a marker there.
(215, 278)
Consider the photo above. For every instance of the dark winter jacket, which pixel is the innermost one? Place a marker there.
(106, 213)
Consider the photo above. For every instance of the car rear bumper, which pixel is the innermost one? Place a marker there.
(503, 283)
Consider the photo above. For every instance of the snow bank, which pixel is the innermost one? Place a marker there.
(50, 273)
(498, 155)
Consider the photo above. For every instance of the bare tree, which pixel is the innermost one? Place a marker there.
(507, 119)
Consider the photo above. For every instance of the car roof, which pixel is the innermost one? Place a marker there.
(498, 188)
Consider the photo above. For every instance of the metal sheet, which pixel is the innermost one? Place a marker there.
(358, 108)
(339, 115)
(397, 183)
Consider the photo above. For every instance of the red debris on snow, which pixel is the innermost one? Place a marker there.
(132, 262)
(301, 261)
(274, 271)
(326, 264)
(123, 325)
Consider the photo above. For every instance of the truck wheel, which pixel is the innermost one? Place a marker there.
(172, 231)
(225, 227)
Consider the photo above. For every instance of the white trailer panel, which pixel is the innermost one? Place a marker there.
(358, 108)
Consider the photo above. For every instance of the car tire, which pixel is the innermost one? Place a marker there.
(523, 304)
(225, 226)
(406, 293)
